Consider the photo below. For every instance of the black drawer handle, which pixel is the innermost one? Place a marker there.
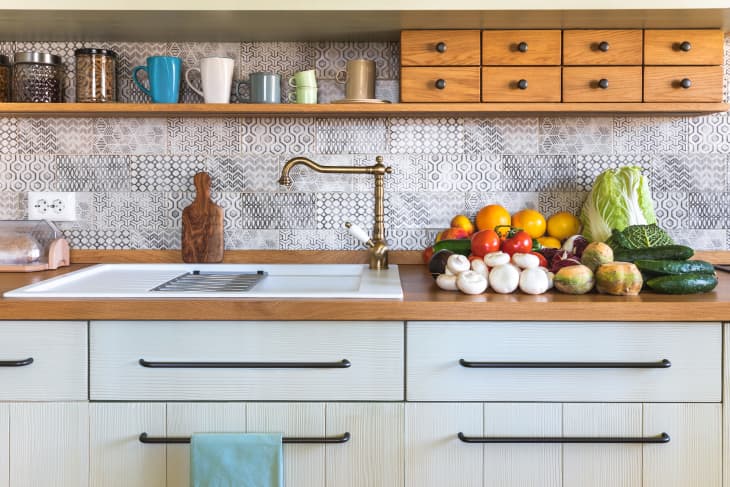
(344, 438)
(522, 84)
(440, 84)
(441, 47)
(522, 47)
(686, 83)
(664, 364)
(342, 364)
(685, 46)
(603, 46)
(602, 83)
(16, 363)
(663, 438)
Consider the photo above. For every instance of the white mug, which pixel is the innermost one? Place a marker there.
(216, 74)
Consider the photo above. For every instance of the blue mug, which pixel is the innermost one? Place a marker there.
(164, 74)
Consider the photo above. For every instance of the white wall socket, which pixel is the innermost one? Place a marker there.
(60, 207)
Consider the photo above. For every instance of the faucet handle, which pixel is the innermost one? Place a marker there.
(358, 233)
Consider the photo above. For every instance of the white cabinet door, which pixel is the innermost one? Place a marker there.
(602, 465)
(520, 464)
(184, 419)
(4, 445)
(304, 464)
(118, 459)
(693, 456)
(435, 457)
(49, 444)
(374, 455)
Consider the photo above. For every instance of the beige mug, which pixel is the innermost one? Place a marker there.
(359, 79)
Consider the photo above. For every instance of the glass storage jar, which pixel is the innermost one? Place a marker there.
(96, 75)
(37, 77)
(4, 79)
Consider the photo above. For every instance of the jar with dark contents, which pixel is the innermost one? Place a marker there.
(4, 79)
(96, 75)
(37, 77)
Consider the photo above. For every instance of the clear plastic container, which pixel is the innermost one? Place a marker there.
(37, 78)
(96, 75)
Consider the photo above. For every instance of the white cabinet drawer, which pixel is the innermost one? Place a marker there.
(278, 361)
(43, 361)
(508, 355)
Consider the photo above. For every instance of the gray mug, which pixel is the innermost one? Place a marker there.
(263, 88)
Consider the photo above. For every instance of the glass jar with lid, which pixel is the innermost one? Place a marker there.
(96, 75)
(4, 79)
(37, 77)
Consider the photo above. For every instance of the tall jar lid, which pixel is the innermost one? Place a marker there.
(93, 50)
(4, 60)
(37, 58)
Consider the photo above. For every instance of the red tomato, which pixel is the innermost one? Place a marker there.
(521, 242)
(426, 254)
(484, 242)
(543, 260)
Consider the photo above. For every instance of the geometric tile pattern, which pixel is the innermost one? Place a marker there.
(334, 209)
(501, 135)
(709, 134)
(13, 206)
(463, 172)
(27, 172)
(203, 136)
(426, 136)
(575, 135)
(707, 210)
(285, 136)
(332, 57)
(130, 135)
(8, 135)
(671, 209)
(422, 210)
(588, 167)
(128, 210)
(244, 172)
(538, 173)
(511, 201)
(690, 172)
(305, 180)
(293, 238)
(699, 239)
(92, 173)
(351, 136)
(551, 203)
(56, 135)
(278, 210)
(164, 173)
(649, 135)
(238, 238)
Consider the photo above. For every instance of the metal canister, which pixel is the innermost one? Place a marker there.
(37, 77)
(96, 75)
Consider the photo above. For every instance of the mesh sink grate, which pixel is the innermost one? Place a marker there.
(227, 282)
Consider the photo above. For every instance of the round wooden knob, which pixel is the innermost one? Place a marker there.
(522, 47)
(686, 83)
(522, 84)
(685, 46)
(441, 47)
(440, 84)
(603, 46)
(603, 83)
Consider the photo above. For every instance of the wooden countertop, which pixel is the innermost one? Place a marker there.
(422, 301)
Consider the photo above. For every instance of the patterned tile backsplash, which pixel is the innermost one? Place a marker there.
(134, 176)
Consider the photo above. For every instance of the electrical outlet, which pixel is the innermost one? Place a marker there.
(60, 207)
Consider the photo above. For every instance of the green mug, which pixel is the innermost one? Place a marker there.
(304, 94)
(303, 78)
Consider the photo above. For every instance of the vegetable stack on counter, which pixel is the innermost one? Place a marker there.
(622, 249)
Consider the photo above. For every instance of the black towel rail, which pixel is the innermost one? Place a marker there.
(344, 438)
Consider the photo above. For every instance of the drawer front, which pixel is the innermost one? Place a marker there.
(436, 374)
(683, 47)
(440, 85)
(521, 47)
(58, 368)
(261, 360)
(440, 47)
(667, 84)
(602, 47)
(602, 84)
(523, 84)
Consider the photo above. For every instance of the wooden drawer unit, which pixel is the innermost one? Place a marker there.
(521, 47)
(683, 47)
(518, 361)
(521, 84)
(43, 361)
(683, 84)
(602, 84)
(602, 47)
(440, 48)
(439, 84)
(298, 361)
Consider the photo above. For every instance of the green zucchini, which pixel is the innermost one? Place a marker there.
(461, 246)
(674, 267)
(691, 283)
(666, 252)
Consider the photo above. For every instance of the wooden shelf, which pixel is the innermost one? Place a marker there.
(344, 110)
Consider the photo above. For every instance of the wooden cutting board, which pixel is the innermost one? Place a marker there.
(202, 225)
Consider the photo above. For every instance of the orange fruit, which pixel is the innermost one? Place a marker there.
(549, 242)
(562, 225)
(491, 216)
(530, 221)
(462, 221)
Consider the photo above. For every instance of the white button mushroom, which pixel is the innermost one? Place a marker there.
(447, 282)
(534, 281)
(504, 279)
(471, 282)
(457, 263)
(525, 261)
(478, 266)
(495, 259)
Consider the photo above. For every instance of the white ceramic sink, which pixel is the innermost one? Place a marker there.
(277, 281)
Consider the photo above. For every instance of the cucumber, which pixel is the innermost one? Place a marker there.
(691, 283)
(460, 246)
(667, 252)
(674, 267)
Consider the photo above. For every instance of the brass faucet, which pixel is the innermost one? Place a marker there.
(377, 244)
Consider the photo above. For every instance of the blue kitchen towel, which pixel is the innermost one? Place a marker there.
(236, 460)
